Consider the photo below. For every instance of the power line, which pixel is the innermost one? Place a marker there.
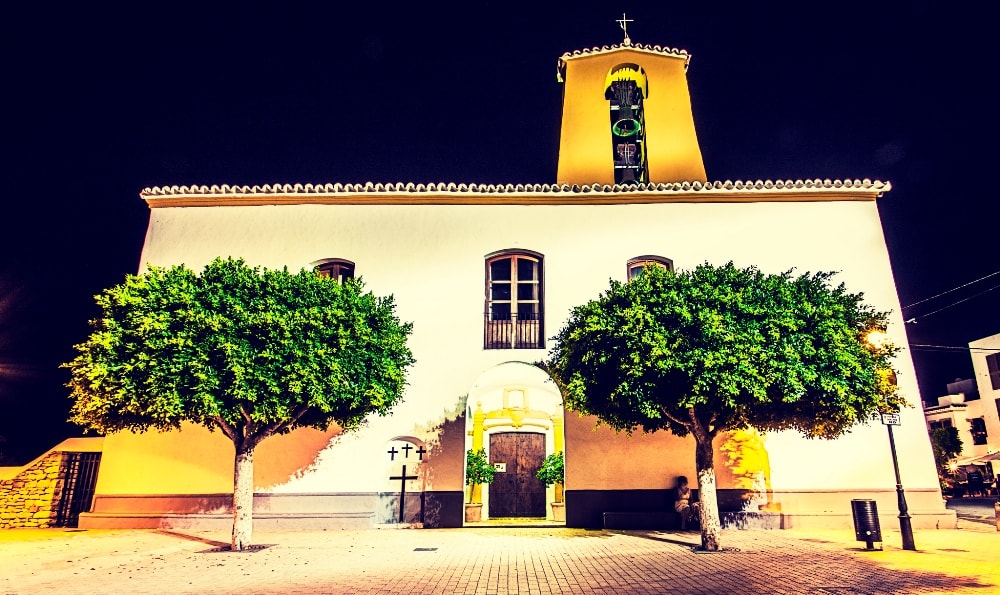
(951, 290)
(913, 319)
(926, 347)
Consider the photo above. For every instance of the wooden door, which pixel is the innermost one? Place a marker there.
(516, 492)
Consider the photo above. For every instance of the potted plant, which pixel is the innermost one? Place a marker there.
(552, 472)
(478, 471)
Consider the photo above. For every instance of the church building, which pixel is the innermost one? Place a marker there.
(487, 274)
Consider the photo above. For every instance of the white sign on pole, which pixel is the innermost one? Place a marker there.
(890, 419)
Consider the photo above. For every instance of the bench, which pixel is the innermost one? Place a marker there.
(658, 519)
(651, 520)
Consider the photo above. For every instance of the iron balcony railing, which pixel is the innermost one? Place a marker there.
(513, 332)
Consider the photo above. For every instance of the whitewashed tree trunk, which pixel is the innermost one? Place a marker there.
(242, 500)
(708, 516)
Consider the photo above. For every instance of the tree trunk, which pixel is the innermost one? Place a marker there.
(242, 499)
(708, 514)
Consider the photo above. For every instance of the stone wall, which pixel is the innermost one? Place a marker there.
(31, 498)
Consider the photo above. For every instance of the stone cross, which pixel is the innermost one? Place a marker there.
(402, 477)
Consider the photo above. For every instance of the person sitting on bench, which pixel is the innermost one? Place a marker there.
(683, 505)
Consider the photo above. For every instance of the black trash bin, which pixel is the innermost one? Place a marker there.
(866, 527)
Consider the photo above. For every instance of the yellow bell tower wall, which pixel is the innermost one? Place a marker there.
(673, 153)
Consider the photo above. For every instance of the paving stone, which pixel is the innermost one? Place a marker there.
(503, 561)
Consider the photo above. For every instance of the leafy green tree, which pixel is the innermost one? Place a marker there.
(719, 349)
(478, 470)
(946, 445)
(553, 472)
(247, 351)
(553, 468)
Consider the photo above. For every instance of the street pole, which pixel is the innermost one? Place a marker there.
(904, 517)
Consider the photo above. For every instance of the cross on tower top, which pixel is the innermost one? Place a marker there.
(623, 23)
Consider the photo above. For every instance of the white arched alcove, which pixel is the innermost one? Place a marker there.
(514, 398)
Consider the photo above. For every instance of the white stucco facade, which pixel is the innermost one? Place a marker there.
(431, 259)
(427, 245)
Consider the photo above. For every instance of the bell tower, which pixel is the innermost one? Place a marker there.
(627, 117)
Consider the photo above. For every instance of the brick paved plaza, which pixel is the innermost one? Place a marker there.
(496, 560)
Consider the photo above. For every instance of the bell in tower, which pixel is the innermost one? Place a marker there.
(626, 88)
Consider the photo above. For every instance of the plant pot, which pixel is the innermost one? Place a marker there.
(559, 512)
(473, 513)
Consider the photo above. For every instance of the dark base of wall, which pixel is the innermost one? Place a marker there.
(666, 520)
(630, 509)
(585, 508)
(442, 509)
(813, 509)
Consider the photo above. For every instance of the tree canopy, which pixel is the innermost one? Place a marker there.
(946, 445)
(248, 351)
(737, 347)
(722, 348)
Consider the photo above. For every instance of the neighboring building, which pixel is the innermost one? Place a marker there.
(487, 274)
(973, 405)
(952, 410)
(984, 413)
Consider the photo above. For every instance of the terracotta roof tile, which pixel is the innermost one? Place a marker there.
(655, 49)
(652, 49)
(865, 185)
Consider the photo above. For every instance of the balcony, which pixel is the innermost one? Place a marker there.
(513, 332)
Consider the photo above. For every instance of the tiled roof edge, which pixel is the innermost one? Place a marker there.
(864, 185)
(656, 49)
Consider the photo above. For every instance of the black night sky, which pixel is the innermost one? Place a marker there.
(101, 102)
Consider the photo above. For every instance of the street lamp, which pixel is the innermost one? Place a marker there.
(879, 340)
(892, 419)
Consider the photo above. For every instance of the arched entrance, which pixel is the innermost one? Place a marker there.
(515, 414)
